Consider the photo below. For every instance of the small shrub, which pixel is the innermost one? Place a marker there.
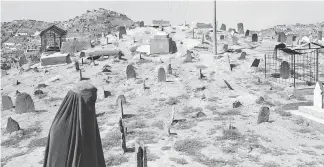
(166, 148)
(229, 112)
(284, 113)
(231, 134)
(231, 149)
(112, 139)
(159, 124)
(139, 123)
(189, 146)
(213, 99)
(172, 101)
(304, 130)
(151, 156)
(114, 160)
(148, 137)
(180, 161)
(38, 143)
(185, 125)
(190, 109)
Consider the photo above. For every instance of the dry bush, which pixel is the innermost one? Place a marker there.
(159, 124)
(229, 112)
(27, 133)
(231, 134)
(166, 148)
(183, 96)
(211, 162)
(183, 125)
(139, 123)
(148, 137)
(303, 130)
(180, 161)
(189, 146)
(284, 113)
(115, 160)
(213, 99)
(41, 142)
(151, 156)
(190, 109)
(229, 149)
(112, 139)
(172, 101)
(270, 164)
(211, 107)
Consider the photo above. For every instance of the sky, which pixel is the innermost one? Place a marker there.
(254, 15)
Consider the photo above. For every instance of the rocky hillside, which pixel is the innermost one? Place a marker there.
(90, 24)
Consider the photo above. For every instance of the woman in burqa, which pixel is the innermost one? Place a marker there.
(74, 138)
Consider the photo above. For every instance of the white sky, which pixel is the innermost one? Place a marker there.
(255, 15)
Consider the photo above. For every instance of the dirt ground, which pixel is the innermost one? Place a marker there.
(285, 140)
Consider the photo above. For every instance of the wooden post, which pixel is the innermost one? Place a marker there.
(229, 62)
(121, 108)
(172, 114)
(140, 154)
(80, 75)
(144, 87)
(215, 29)
(77, 66)
(123, 135)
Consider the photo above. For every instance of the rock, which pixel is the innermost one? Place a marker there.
(12, 126)
(200, 114)
(24, 103)
(41, 86)
(260, 100)
(38, 92)
(107, 93)
(237, 104)
(264, 115)
(243, 56)
(6, 102)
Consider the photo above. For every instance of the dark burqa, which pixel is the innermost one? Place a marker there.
(74, 138)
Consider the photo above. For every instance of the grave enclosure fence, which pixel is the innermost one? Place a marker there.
(292, 69)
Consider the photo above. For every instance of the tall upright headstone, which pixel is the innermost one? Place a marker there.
(255, 38)
(6, 102)
(222, 37)
(282, 37)
(284, 70)
(247, 33)
(240, 28)
(223, 27)
(24, 103)
(161, 75)
(141, 24)
(320, 35)
(130, 72)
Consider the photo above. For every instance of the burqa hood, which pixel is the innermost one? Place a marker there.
(74, 138)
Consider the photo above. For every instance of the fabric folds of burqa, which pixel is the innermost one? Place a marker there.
(74, 138)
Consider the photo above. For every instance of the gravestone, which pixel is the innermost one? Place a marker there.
(319, 95)
(122, 30)
(320, 35)
(225, 47)
(284, 70)
(264, 115)
(80, 75)
(243, 56)
(222, 37)
(200, 114)
(12, 125)
(38, 92)
(282, 37)
(188, 57)
(255, 63)
(235, 40)
(77, 66)
(161, 75)
(247, 33)
(3, 73)
(24, 103)
(130, 72)
(294, 38)
(169, 69)
(123, 135)
(82, 54)
(140, 154)
(255, 38)
(121, 98)
(290, 40)
(141, 24)
(6, 102)
(240, 28)
(223, 27)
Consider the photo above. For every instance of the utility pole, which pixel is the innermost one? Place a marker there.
(215, 29)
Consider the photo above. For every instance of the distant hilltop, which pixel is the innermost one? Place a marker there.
(90, 24)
